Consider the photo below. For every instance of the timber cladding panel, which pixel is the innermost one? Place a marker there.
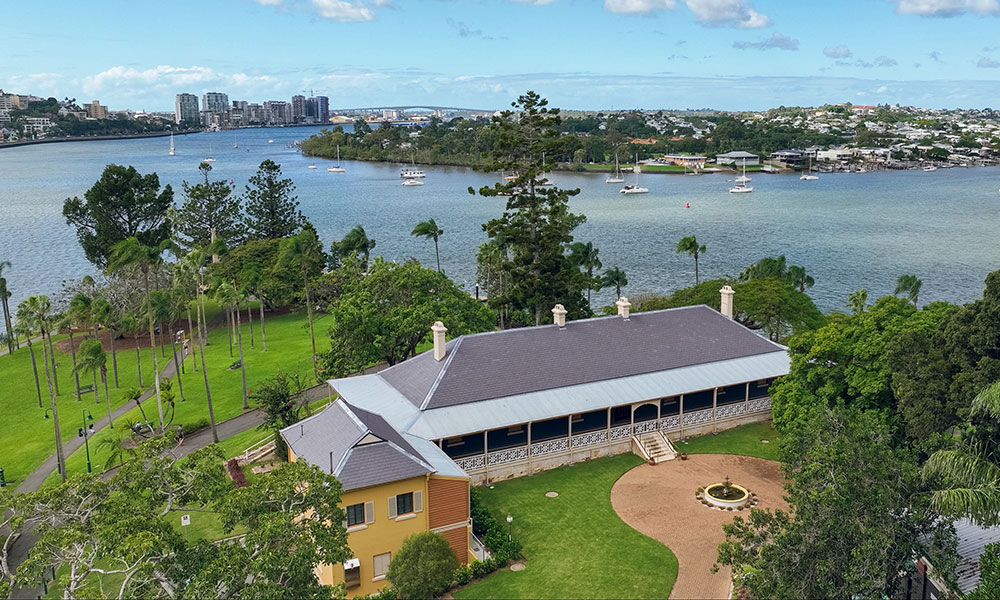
(458, 539)
(447, 502)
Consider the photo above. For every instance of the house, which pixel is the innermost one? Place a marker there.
(738, 159)
(501, 404)
(790, 157)
(926, 583)
(686, 160)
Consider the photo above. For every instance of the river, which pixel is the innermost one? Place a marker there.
(850, 231)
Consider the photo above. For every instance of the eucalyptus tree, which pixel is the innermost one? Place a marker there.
(4, 297)
(228, 296)
(93, 359)
(25, 326)
(909, 286)
(428, 230)
(131, 252)
(689, 244)
(304, 251)
(614, 278)
(586, 257)
(38, 311)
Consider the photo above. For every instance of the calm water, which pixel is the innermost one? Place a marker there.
(849, 230)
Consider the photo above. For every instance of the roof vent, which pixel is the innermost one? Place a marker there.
(438, 329)
(559, 315)
(726, 306)
(623, 307)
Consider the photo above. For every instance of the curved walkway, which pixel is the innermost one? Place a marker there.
(659, 501)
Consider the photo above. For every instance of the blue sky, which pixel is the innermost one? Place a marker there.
(581, 54)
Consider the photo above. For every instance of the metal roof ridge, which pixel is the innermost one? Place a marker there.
(343, 461)
(348, 410)
(440, 375)
(417, 459)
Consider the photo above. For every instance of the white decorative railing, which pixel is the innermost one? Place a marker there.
(509, 455)
(470, 463)
(645, 427)
(700, 416)
(730, 410)
(759, 405)
(671, 422)
(622, 432)
(550, 447)
(591, 438)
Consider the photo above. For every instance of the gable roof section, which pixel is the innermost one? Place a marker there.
(515, 362)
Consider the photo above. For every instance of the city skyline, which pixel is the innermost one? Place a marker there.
(723, 54)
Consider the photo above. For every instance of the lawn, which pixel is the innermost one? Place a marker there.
(575, 545)
(745, 440)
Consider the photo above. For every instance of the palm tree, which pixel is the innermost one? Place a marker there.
(116, 446)
(690, 245)
(37, 309)
(166, 310)
(94, 360)
(104, 316)
(131, 252)
(857, 301)
(357, 241)
(970, 474)
(81, 314)
(797, 276)
(68, 322)
(585, 256)
(196, 260)
(909, 285)
(4, 296)
(131, 325)
(428, 230)
(252, 281)
(304, 251)
(24, 326)
(227, 295)
(614, 278)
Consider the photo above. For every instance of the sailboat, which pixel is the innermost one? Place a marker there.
(235, 145)
(634, 189)
(338, 168)
(412, 172)
(808, 176)
(741, 187)
(617, 177)
(209, 159)
(171, 143)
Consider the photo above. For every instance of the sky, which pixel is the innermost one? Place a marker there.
(580, 54)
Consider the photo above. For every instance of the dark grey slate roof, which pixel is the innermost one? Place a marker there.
(518, 361)
(332, 440)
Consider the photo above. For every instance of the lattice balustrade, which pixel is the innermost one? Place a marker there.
(645, 427)
(700, 416)
(668, 423)
(509, 455)
(470, 463)
(550, 447)
(730, 410)
(621, 433)
(759, 405)
(590, 439)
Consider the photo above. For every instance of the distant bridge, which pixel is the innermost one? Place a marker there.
(405, 108)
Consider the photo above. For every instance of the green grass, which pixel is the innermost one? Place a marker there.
(288, 350)
(575, 545)
(744, 440)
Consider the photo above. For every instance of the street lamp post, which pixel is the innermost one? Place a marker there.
(85, 433)
(510, 520)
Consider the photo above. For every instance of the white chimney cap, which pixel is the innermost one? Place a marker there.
(559, 315)
(623, 307)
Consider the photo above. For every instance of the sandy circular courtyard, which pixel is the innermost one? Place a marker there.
(659, 501)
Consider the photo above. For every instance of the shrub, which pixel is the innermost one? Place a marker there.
(236, 472)
(463, 574)
(386, 593)
(423, 567)
(480, 569)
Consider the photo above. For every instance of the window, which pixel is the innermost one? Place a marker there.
(381, 564)
(404, 504)
(355, 514)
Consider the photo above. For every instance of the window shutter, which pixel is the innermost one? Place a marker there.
(369, 512)
(418, 501)
(392, 507)
(345, 523)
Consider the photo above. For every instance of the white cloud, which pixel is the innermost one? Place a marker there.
(128, 81)
(777, 40)
(881, 90)
(638, 7)
(535, 2)
(947, 8)
(837, 51)
(988, 63)
(727, 12)
(269, 2)
(885, 61)
(344, 11)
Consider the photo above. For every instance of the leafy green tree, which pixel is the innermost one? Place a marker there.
(689, 244)
(989, 574)
(428, 230)
(856, 515)
(586, 257)
(493, 276)
(277, 397)
(258, 260)
(386, 314)
(774, 306)
(122, 204)
(423, 567)
(271, 210)
(908, 285)
(615, 278)
(94, 360)
(210, 211)
(857, 301)
(304, 252)
(536, 226)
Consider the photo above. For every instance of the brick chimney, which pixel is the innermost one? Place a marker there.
(438, 329)
(623, 307)
(559, 316)
(727, 301)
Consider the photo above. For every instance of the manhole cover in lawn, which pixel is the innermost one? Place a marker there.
(518, 566)
(551, 494)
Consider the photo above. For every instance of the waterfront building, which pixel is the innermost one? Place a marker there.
(298, 109)
(322, 109)
(254, 114)
(95, 110)
(5, 101)
(186, 108)
(36, 126)
(216, 102)
(738, 159)
(501, 404)
(686, 160)
(277, 112)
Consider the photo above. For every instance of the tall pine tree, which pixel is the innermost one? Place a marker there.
(271, 209)
(208, 206)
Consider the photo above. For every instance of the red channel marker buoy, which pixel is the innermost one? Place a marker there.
(687, 205)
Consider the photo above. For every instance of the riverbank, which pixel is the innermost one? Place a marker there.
(95, 138)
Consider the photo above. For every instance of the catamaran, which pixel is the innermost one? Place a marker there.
(412, 182)
(636, 188)
(808, 176)
(412, 172)
(338, 168)
(171, 143)
(617, 177)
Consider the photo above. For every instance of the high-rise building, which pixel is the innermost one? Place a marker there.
(240, 105)
(277, 112)
(298, 109)
(186, 108)
(216, 102)
(95, 110)
(322, 109)
(255, 114)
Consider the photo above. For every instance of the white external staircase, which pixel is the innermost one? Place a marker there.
(654, 447)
